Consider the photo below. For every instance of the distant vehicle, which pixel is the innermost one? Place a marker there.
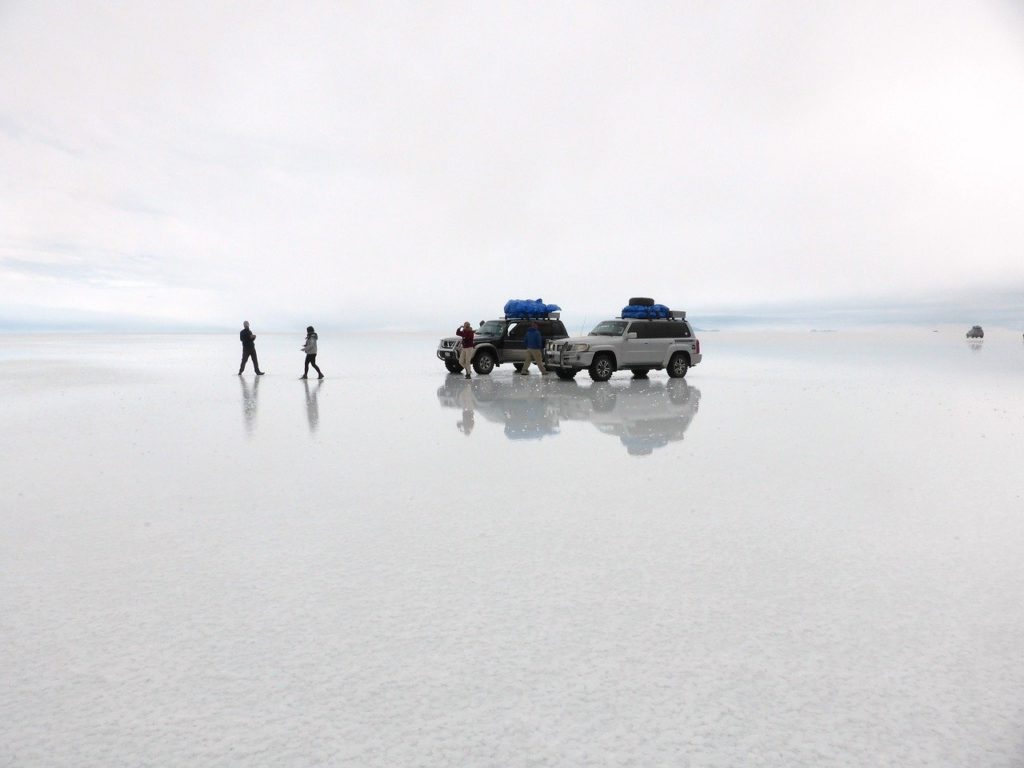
(631, 344)
(500, 341)
(976, 332)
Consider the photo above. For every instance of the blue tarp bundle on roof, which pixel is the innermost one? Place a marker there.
(529, 308)
(640, 312)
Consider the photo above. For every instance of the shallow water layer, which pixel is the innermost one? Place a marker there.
(808, 552)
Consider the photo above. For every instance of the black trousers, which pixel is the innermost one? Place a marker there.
(311, 360)
(246, 354)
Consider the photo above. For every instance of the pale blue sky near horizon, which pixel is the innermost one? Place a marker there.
(185, 166)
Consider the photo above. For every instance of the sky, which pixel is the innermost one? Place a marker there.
(188, 165)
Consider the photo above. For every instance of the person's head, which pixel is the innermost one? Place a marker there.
(245, 323)
(466, 324)
(534, 325)
(309, 329)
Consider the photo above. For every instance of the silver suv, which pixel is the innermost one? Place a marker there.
(627, 344)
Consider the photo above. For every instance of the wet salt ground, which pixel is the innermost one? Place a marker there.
(808, 553)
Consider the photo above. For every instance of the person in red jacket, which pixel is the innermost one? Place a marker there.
(466, 354)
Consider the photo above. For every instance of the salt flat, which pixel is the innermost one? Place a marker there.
(809, 552)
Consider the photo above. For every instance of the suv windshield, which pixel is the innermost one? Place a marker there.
(609, 328)
(491, 328)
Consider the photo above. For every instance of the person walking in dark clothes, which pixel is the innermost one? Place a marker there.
(248, 349)
(310, 349)
(534, 353)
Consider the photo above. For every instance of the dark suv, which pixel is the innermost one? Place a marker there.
(500, 341)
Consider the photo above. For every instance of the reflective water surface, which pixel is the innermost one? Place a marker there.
(643, 414)
(808, 552)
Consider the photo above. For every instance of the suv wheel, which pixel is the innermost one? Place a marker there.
(602, 368)
(566, 375)
(641, 373)
(641, 301)
(678, 365)
(452, 366)
(483, 362)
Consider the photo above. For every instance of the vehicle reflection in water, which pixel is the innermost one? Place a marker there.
(976, 345)
(312, 405)
(644, 414)
(250, 393)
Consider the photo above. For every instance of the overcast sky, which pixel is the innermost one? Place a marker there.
(341, 163)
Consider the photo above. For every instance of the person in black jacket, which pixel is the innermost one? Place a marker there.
(248, 339)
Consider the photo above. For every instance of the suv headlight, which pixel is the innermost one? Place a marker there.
(581, 348)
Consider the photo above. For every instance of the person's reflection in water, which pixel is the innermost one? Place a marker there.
(313, 405)
(250, 391)
(466, 401)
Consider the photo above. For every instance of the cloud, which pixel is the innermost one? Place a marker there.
(208, 161)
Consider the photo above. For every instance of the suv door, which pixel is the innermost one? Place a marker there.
(514, 346)
(636, 351)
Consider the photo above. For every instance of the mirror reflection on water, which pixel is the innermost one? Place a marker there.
(644, 414)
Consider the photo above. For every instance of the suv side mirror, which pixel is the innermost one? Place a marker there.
(631, 335)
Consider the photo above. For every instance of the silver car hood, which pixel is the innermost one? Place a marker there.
(574, 340)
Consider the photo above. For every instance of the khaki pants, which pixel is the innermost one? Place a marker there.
(533, 356)
(466, 357)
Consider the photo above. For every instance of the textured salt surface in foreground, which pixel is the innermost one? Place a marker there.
(810, 553)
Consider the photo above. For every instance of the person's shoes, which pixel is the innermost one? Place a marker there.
(468, 376)
(239, 373)
(303, 377)
(320, 376)
(524, 373)
(260, 373)
(544, 373)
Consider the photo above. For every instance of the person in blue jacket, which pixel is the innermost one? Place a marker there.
(534, 345)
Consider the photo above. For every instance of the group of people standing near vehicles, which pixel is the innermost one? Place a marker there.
(534, 345)
(248, 339)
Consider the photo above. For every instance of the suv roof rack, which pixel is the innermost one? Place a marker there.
(548, 316)
(674, 314)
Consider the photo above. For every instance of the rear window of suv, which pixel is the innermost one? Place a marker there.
(654, 329)
(673, 330)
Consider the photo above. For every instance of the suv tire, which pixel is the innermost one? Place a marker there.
(641, 301)
(453, 366)
(678, 365)
(483, 362)
(602, 368)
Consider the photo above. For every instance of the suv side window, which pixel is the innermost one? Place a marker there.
(673, 330)
(645, 330)
(517, 331)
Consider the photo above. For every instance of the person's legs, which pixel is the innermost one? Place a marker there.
(312, 361)
(245, 359)
(466, 359)
(305, 369)
(526, 363)
(256, 363)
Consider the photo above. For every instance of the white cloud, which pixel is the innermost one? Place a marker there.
(202, 162)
